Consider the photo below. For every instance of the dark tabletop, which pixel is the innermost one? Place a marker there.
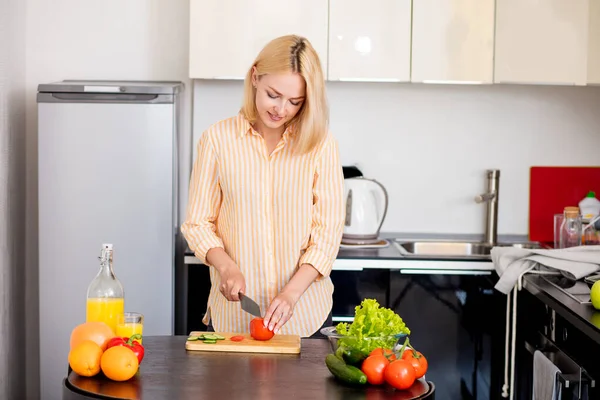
(583, 316)
(168, 371)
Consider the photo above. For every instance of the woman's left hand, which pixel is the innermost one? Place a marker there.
(280, 311)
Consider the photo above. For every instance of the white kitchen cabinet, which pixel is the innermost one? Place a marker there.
(593, 74)
(369, 41)
(541, 42)
(227, 35)
(453, 41)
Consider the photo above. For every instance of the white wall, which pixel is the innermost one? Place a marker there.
(431, 144)
(110, 39)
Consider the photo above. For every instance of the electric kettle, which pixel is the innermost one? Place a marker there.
(366, 208)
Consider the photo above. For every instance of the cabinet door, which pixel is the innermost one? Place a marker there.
(369, 41)
(541, 42)
(593, 76)
(227, 35)
(453, 41)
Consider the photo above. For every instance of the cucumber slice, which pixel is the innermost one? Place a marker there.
(219, 337)
(210, 341)
(210, 336)
(192, 338)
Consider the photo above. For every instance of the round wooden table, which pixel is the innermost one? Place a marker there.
(169, 371)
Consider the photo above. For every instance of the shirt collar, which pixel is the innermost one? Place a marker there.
(246, 127)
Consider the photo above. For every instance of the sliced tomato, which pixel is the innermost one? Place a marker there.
(237, 338)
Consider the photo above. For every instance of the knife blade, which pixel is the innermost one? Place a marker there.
(249, 305)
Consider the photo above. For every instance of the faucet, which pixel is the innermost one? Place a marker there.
(491, 198)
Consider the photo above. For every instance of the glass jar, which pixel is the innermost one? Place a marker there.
(571, 228)
(105, 295)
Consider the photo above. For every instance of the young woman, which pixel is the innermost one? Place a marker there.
(266, 207)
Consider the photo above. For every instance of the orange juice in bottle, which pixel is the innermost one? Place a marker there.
(105, 295)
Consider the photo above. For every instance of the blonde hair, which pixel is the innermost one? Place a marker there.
(292, 53)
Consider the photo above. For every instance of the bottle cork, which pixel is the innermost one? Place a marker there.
(571, 212)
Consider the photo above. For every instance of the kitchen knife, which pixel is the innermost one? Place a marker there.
(250, 305)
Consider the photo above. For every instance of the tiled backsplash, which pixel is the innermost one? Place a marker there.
(431, 144)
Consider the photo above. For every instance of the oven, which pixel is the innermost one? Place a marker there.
(539, 327)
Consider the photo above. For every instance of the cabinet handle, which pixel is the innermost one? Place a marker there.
(348, 268)
(444, 272)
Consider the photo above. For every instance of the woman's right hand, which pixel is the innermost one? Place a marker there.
(232, 282)
(232, 279)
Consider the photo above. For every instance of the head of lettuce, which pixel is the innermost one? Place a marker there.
(373, 327)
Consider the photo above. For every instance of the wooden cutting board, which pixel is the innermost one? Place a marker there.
(278, 344)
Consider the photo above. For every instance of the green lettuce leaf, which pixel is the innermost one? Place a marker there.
(373, 327)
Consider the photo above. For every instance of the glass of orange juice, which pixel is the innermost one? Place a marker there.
(130, 323)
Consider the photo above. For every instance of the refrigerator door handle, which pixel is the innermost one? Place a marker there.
(104, 98)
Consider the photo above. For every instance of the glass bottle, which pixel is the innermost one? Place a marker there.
(571, 229)
(590, 232)
(105, 295)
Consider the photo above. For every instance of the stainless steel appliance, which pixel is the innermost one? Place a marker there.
(552, 329)
(107, 174)
(578, 290)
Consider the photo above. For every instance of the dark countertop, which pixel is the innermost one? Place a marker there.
(169, 371)
(583, 316)
(392, 253)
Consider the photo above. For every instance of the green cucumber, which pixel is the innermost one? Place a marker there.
(353, 356)
(344, 372)
(192, 338)
(210, 341)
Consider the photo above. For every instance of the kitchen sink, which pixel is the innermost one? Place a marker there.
(453, 249)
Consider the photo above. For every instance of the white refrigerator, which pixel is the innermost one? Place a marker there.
(107, 174)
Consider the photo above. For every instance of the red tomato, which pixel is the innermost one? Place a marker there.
(400, 374)
(417, 360)
(237, 338)
(259, 331)
(373, 367)
(381, 352)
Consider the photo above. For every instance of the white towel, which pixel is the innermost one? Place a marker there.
(545, 377)
(573, 262)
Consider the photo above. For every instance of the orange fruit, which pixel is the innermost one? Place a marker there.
(85, 358)
(98, 332)
(119, 363)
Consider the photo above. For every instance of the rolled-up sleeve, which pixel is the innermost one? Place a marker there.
(328, 211)
(204, 201)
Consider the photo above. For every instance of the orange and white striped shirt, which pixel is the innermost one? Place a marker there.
(271, 213)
